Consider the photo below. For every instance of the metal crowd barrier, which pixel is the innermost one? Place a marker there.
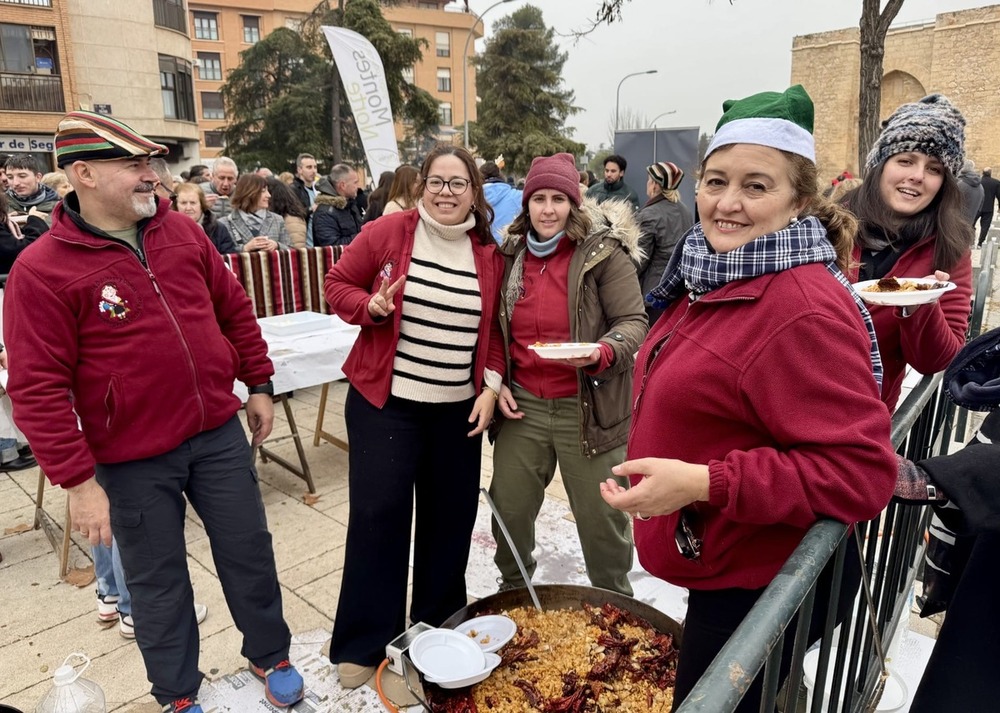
(982, 290)
(892, 547)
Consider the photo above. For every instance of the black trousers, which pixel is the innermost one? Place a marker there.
(985, 220)
(404, 449)
(215, 470)
(713, 616)
(962, 672)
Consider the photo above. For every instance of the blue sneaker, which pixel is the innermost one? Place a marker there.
(183, 705)
(282, 683)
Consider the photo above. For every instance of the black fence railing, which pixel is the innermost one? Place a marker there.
(170, 14)
(31, 92)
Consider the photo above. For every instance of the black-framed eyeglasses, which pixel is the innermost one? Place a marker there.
(688, 543)
(436, 184)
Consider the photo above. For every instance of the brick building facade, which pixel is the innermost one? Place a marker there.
(956, 54)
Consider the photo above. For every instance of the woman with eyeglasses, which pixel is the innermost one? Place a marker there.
(569, 277)
(425, 373)
(756, 408)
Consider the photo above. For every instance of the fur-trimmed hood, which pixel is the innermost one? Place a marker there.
(338, 201)
(612, 219)
(326, 194)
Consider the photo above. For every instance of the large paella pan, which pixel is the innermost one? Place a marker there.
(588, 649)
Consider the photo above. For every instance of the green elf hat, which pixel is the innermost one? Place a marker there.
(781, 120)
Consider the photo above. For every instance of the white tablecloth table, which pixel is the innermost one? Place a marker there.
(303, 360)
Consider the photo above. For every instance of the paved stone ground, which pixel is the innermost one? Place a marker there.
(42, 620)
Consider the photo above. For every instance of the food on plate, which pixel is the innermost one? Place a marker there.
(894, 284)
(574, 660)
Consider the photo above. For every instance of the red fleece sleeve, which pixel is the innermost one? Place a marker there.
(235, 314)
(40, 334)
(932, 336)
(832, 455)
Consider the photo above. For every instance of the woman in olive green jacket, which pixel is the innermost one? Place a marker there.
(569, 277)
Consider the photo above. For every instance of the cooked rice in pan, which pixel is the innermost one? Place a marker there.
(573, 661)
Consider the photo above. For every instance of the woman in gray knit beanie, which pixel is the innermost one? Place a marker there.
(911, 225)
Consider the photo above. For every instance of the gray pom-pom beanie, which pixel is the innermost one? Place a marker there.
(931, 126)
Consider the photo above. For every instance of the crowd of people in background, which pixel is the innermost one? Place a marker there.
(711, 326)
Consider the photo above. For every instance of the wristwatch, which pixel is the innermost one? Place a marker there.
(266, 388)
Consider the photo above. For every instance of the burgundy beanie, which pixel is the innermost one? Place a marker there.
(557, 172)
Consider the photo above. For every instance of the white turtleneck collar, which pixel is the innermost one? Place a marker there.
(445, 232)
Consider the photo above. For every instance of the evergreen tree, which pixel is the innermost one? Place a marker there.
(415, 106)
(524, 106)
(279, 100)
(273, 108)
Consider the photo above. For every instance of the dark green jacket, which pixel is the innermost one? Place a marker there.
(618, 190)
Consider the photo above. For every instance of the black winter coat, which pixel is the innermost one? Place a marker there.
(336, 219)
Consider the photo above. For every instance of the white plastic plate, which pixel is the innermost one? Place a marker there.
(490, 632)
(903, 299)
(446, 655)
(492, 661)
(564, 350)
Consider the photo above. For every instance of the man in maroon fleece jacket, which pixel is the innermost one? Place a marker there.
(123, 316)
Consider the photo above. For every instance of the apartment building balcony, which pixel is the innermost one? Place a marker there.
(31, 92)
(170, 14)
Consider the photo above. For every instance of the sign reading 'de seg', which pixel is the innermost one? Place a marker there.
(18, 143)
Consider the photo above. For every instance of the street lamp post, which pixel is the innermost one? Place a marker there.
(652, 124)
(618, 94)
(465, 65)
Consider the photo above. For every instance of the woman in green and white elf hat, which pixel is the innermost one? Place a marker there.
(757, 406)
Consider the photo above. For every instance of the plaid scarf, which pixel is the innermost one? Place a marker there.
(695, 267)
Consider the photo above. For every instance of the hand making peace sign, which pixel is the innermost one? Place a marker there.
(380, 305)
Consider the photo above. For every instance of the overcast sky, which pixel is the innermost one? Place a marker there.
(704, 51)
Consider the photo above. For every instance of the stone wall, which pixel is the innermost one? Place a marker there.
(956, 55)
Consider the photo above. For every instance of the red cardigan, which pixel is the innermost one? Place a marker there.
(768, 381)
(931, 337)
(384, 247)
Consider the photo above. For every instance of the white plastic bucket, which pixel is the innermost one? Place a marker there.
(893, 697)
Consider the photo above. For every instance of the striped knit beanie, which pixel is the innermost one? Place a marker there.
(86, 136)
(666, 175)
(931, 126)
(779, 120)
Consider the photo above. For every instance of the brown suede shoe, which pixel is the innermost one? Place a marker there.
(354, 675)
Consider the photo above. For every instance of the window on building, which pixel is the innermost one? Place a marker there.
(444, 79)
(444, 113)
(407, 74)
(206, 26)
(405, 32)
(210, 66)
(251, 29)
(170, 14)
(28, 50)
(211, 106)
(442, 41)
(215, 139)
(176, 88)
(427, 5)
